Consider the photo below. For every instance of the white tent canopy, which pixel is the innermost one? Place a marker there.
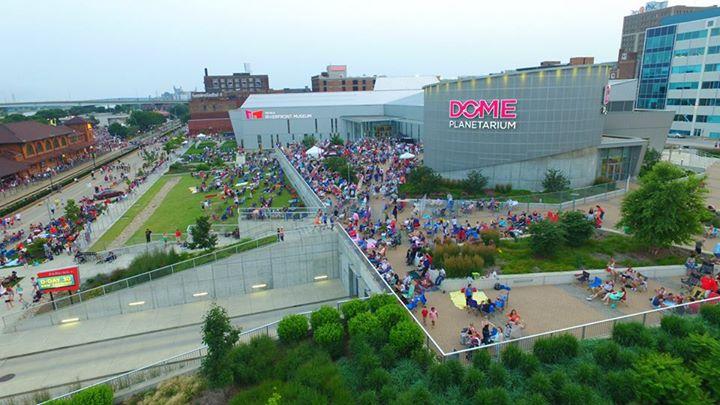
(314, 152)
(202, 136)
(407, 155)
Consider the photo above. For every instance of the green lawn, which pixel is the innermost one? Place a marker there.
(199, 147)
(181, 208)
(229, 146)
(122, 222)
(516, 257)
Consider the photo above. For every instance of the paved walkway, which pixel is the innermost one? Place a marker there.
(122, 354)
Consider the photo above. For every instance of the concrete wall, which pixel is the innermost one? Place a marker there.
(645, 124)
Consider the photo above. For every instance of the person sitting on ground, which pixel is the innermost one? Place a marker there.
(514, 318)
(658, 301)
(690, 264)
(605, 289)
(615, 296)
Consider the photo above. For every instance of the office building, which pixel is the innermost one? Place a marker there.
(681, 72)
(335, 78)
(635, 25)
(244, 83)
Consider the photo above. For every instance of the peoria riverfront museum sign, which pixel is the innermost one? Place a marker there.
(497, 114)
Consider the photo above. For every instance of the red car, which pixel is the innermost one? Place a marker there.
(109, 193)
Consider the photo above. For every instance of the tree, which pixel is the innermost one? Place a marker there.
(341, 166)
(181, 112)
(309, 141)
(554, 181)
(423, 180)
(14, 118)
(72, 212)
(202, 237)
(118, 130)
(652, 156)
(668, 208)
(545, 237)
(145, 120)
(661, 378)
(337, 140)
(474, 182)
(577, 228)
(220, 337)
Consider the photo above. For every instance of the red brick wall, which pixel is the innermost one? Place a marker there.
(209, 126)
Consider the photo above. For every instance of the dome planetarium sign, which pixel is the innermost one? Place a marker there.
(472, 114)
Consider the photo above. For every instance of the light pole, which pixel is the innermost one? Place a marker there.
(92, 153)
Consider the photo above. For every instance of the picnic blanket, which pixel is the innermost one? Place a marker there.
(458, 298)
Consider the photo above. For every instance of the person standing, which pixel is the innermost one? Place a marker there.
(282, 234)
(178, 235)
(148, 235)
(433, 316)
(424, 313)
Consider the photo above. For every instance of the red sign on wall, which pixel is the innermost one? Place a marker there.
(65, 279)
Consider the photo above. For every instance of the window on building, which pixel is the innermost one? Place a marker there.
(355, 82)
(687, 69)
(684, 36)
(710, 119)
(39, 147)
(56, 144)
(343, 82)
(63, 141)
(683, 117)
(29, 150)
(48, 145)
(681, 101)
(709, 102)
(343, 88)
(683, 85)
(324, 88)
(711, 85)
(697, 132)
(680, 53)
(712, 67)
(355, 88)
(712, 50)
(679, 132)
(701, 118)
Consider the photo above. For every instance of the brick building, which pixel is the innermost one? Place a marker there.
(29, 147)
(335, 78)
(236, 82)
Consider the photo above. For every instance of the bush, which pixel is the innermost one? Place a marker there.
(337, 140)
(97, 395)
(366, 325)
(177, 390)
(323, 316)
(578, 229)
(587, 373)
(601, 180)
(481, 359)
(503, 188)
(497, 375)
(252, 363)
(512, 356)
(492, 396)
(545, 238)
(620, 386)
(697, 347)
(390, 315)
(555, 181)
(293, 328)
(423, 180)
(406, 336)
(675, 326)
(711, 314)
(490, 235)
(632, 334)
(35, 249)
(474, 183)
(556, 349)
(376, 301)
(474, 380)
(660, 378)
(309, 141)
(352, 308)
(607, 353)
(340, 166)
(575, 394)
(442, 376)
(330, 337)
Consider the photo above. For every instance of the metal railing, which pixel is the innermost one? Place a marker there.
(290, 214)
(592, 330)
(184, 362)
(84, 296)
(306, 193)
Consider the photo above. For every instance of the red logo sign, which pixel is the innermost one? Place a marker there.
(65, 279)
(254, 115)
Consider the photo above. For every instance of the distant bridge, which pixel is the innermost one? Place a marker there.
(104, 101)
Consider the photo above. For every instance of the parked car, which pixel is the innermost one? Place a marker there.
(109, 193)
(676, 135)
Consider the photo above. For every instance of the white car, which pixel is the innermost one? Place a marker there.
(676, 135)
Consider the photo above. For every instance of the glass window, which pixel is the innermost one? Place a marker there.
(687, 69)
(681, 101)
(701, 118)
(713, 50)
(714, 32)
(683, 85)
(679, 132)
(709, 101)
(711, 85)
(29, 150)
(683, 117)
(683, 36)
(689, 52)
(712, 67)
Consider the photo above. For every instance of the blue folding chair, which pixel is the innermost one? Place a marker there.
(597, 282)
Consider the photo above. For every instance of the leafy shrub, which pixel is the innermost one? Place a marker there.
(376, 301)
(366, 325)
(709, 374)
(554, 181)
(576, 394)
(377, 378)
(503, 188)
(632, 334)
(497, 375)
(352, 308)
(675, 326)
(97, 395)
(711, 313)
(545, 237)
(512, 356)
(293, 328)
(463, 266)
(474, 183)
(481, 359)
(660, 378)
(423, 357)
(330, 337)
(492, 396)
(540, 383)
(388, 356)
(578, 230)
(606, 353)
(443, 375)
(390, 315)
(35, 249)
(556, 349)
(324, 315)
(587, 373)
(620, 386)
(490, 235)
(253, 362)
(474, 380)
(697, 347)
(406, 336)
(341, 167)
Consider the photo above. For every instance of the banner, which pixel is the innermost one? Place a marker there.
(65, 279)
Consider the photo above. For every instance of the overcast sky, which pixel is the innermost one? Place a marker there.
(81, 49)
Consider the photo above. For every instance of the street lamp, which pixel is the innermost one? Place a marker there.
(92, 153)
